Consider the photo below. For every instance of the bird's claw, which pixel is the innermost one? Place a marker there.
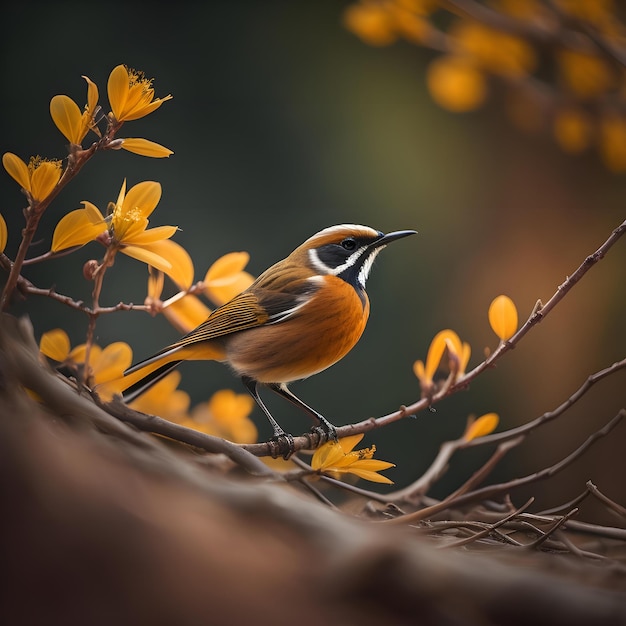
(326, 432)
(283, 445)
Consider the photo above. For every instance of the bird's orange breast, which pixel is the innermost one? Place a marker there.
(318, 335)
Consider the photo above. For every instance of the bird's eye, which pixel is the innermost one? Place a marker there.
(349, 243)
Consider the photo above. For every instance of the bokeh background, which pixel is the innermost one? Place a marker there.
(283, 122)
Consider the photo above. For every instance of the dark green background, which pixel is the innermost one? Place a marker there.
(283, 123)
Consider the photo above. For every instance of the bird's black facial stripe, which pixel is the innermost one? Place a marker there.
(336, 255)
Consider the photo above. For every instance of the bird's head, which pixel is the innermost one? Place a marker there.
(346, 251)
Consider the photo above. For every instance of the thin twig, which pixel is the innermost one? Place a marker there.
(490, 527)
(492, 491)
(617, 508)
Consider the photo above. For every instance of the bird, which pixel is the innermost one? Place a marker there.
(298, 318)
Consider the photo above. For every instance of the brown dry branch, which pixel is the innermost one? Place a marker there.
(500, 489)
(108, 523)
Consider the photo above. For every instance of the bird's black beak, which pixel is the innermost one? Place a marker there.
(389, 237)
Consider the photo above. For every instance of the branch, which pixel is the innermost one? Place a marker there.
(492, 491)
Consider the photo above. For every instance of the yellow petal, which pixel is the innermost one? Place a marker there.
(226, 266)
(151, 235)
(142, 197)
(3, 234)
(67, 117)
(222, 293)
(55, 344)
(77, 228)
(418, 370)
(348, 443)
(372, 476)
(145, 255)
(17, 169)
(503, 317)
(187, 313)
(484, 425)
(226, 405)
(436, 349)
(92, 95)
(156, 281)
(181, 269)
(111, 362)
(79, 353)
(44, 178)
(327, 456)
(146, 148)
(117, 89)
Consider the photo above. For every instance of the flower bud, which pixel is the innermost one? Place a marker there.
(90, 268)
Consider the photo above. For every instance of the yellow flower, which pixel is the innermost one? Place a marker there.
(503, 317)
(225, 278)
(337, 457)
(131, 94)
(37, 179)
(106, 366)
(458, 352)
(482, 426)
(68, 117)
(3, 234)
(226, 415)
(164, 399)
(128, 231)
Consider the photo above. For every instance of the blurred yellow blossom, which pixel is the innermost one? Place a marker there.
(484, 425)
(371, 22)
(3, 234)
(493, 50)
(455, 83)
(458, 353)
(503, 317)
(128, 232)
(225, 415)
(38, 178)
(131, 95)
(613, 142)
(164, 399)
(225, 278)
(339, 457)
(106, 366)
(586, 75)
(572, 129)
(69, 119)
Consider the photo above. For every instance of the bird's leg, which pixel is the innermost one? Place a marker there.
(324, 428)
(284, 441)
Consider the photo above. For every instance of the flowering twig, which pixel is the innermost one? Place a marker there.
(75, 162)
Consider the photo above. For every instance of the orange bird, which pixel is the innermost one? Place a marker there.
(299, 317)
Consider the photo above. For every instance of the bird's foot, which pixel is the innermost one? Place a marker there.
(325, 432)
(282, 444)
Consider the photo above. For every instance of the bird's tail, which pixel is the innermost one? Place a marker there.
(143, 375)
